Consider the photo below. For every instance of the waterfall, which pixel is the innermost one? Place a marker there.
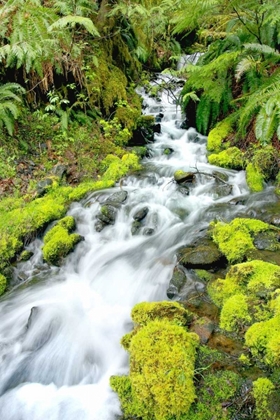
(60, 331)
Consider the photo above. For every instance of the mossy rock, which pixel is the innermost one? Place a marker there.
(181, 176)
(231, 158)
(162, 356)
(3, 284)
(216, 396)
(263, 339)
(160, 385)
(217, 135)
(255, 179)
(145, 312)
(58, 242)
(267, 400)
(236, 239)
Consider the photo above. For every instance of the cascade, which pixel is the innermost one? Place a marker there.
(60, 333)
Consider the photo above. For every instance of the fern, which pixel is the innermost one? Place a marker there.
(72, 21)
(9, 105)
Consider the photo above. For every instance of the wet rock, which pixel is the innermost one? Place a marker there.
(43, 186)
(182, 176)
(108, 214)
(184, 125)
(159, 117)
(220, 191)
(184, 189)
(193, 136)
(204, 254)
(135, 228)
(118, 197)
(176, 283)
(220, 175)
(204, 328)
(59, 171)
(141, 214)
(99, 225)
(268, 241)
(168, 151)
(147, 231)
(157, 128)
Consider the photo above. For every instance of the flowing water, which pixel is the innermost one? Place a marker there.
(60, 332)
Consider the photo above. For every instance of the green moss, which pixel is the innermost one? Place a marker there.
(254, 278)
(162, 355)
(217, 135)
(145, 312)
(162, 359)
(58, 242)
(263, 339)
(263, 390)
(231, 158)
(235, 239)
(217, 389)
(120, 167)
(204, 275)
(254, 178)
(3, 284)
(115, 88)
(235, 313)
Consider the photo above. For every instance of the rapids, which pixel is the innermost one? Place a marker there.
(60, 330)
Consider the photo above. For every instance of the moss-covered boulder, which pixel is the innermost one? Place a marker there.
(254, 177)
(3, 284)
(217, 135)
(145, 312)
(236, 239)
(267, 400)
(247, 295)
(231, 158)
(58, 241)
(181, 176)
(263, 339)
(162, 355)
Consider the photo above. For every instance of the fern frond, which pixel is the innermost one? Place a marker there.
(73, 21)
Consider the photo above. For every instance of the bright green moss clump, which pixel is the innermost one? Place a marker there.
(235, 239)
(254, 178)
(162, 355)
(3, 284)
(58, 242)
(263, 339)
(231, 158)
(239, 294)
(217, 135)
(218, 388)
(235, 313)
(145, 312)
(263, 392)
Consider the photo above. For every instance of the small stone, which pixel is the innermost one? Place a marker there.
(182, 176)
(43, 186)
(117, 197)
(141, 214)
(148, 231)
(135, 228)
(99, 225)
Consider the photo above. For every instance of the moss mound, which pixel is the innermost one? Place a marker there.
(255, 179)
(231, 158)
(145, 312)
(58, 242)
(3, 284)
(236, 239)
(217, 135)
(162, 355)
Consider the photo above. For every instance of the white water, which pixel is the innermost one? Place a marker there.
(56, 364)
